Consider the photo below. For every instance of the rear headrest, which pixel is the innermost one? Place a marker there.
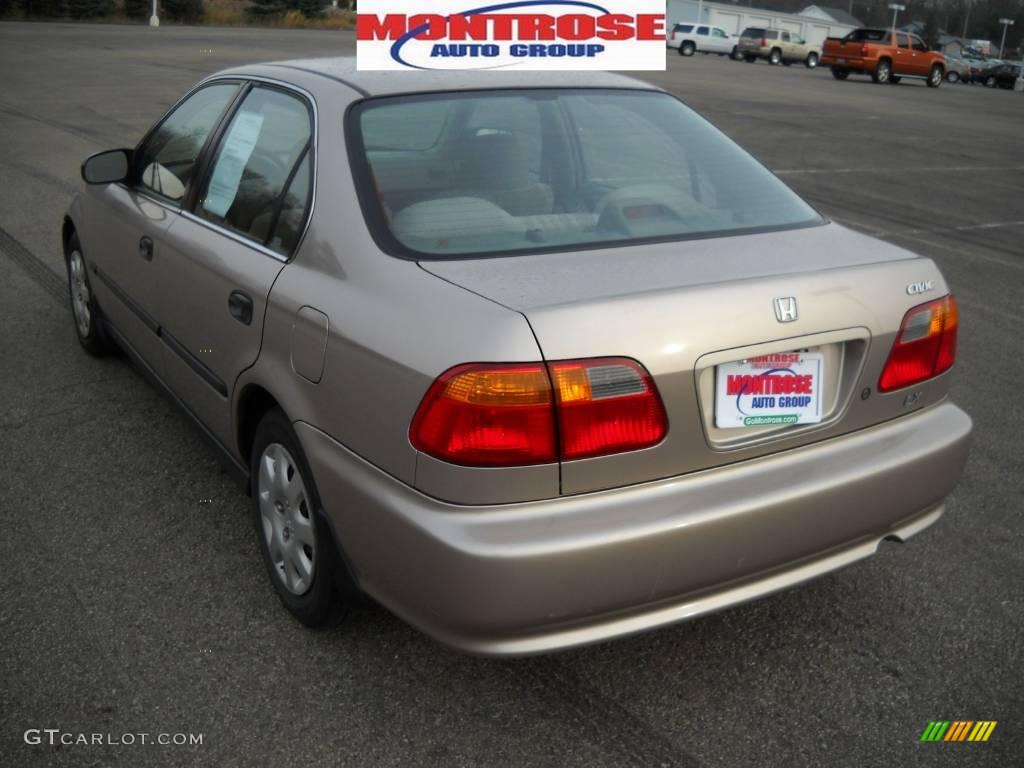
(494, 161)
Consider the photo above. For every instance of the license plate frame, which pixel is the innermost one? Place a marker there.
(778, 390)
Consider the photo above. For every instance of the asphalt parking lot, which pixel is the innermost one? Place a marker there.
(128, 605)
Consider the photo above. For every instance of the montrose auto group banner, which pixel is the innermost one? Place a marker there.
(524, 34)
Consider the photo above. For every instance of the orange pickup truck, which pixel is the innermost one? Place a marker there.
(885, 55)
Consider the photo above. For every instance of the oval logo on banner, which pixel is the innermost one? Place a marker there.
(523, 34)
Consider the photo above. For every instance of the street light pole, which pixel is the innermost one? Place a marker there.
(1006, 23)
(967, 18)
(154, 20)
(896, 8)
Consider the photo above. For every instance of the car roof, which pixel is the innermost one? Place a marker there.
(377, 83)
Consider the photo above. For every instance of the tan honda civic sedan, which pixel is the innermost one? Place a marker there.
(532, 359)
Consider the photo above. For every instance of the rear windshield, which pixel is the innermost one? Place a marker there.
(503, 172)
(683, 27)
(867, 35)
(753, 32)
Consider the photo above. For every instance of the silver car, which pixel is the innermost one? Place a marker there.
(532, 359)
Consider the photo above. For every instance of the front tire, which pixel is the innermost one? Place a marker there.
(297, 546)
(811, 61)
(840, 74)
(687, 49)
(953, 77)
(935, 77)
(84, 310)
(990, 82)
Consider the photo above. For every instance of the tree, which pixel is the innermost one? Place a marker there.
(311, 9)
(931, 28)
(264, 9)
(138, 9)
(188, 11)
(89, 9)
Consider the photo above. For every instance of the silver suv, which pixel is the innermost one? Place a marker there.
(776, 46)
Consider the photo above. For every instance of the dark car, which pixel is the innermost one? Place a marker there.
(981, 69)
(1003, 76)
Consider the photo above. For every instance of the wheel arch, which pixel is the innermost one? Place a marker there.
(67, 229)
(254, 402)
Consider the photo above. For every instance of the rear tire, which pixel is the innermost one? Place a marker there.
(883, 71)
(990, 82)
(811, 61)
(297, 546)
(935, 77)
(687, 49)
(775, 57)
(84, 310)
(840, 74)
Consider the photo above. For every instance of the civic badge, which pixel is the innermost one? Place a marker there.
(785, 309)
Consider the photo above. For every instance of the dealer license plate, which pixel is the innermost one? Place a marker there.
(769, 391)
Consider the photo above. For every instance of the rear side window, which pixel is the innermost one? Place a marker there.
(868, 36)
(523, 171)
(254, 181)
(785, 37)
(167, 161)
(771, 34)
(702, 30)
(901, 41)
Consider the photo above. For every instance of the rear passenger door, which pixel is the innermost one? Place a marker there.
(226, 249)
(703, 38)
(902, 63)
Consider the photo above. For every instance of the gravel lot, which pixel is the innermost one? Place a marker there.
(127, 606)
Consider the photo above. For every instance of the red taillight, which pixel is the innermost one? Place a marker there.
(606, 406)
(925, 345)
(673, 34)
(488, 415)
(764, 42)
(505, 415)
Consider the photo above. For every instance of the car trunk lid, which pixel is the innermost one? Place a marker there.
(682, 309)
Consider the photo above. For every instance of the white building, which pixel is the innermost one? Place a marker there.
(735, 18)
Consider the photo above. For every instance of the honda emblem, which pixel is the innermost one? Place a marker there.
(785, 309)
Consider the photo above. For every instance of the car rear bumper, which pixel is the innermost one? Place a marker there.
(539, 576)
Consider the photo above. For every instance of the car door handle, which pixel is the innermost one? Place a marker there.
(146, 248)
(240, 307)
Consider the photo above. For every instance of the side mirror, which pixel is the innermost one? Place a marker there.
(107, 167)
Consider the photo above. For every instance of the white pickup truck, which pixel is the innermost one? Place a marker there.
(688, 39)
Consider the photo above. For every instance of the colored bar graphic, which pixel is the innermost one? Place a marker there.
(958, 730)
(935, 730)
